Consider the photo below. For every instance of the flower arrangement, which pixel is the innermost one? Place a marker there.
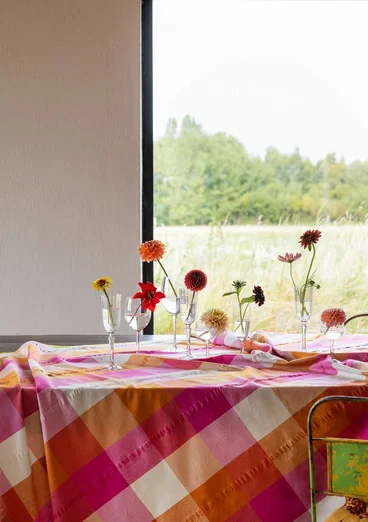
(154, 250)
(215, 320)
(104, 283)
(308, 240)
(257, 297)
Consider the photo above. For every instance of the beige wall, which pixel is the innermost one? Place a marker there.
(69, 160)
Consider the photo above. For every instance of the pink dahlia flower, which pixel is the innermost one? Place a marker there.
(289, 258)
(333, 317)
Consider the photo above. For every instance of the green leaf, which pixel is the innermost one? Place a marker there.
(228, 293)
(249, 299)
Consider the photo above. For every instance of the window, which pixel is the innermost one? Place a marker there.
(260, 132)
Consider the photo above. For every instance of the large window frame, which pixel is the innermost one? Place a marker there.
(147, 202)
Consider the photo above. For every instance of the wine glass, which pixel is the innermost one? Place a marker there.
(137, 317)
(171, 303)
(303, 308)
(332, 333)
(111, 317)
(204, 333)
(241, 322)
(188, 311)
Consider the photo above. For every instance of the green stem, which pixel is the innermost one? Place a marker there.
(110, 308)
(304, 287)
(291, 274)
(240, 313)
(166, 274)
(354, 317)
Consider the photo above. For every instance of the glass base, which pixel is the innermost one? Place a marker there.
(112, 366)
(187, 356)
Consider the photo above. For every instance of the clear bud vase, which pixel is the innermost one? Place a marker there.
(303, 307)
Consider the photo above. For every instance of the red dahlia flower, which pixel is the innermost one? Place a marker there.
(149, 296)
(309, 238)
(195, 280)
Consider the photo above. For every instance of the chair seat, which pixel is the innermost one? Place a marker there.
(354, 510)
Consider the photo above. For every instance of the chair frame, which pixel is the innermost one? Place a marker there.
(311, 439)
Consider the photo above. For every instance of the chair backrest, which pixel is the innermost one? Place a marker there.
(347, 460)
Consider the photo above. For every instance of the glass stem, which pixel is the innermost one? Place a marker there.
(304, 335)
(187, 331)
(112, 344)
(137, 342)
(331, 347)
(175, 346)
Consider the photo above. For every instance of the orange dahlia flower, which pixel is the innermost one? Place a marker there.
(333, 317)
(152, 250)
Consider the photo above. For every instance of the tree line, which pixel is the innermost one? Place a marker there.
(203, 179)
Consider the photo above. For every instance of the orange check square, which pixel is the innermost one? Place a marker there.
(253, 471)
(74, 446)
(141, 402)
(219, 497)
(286, 445)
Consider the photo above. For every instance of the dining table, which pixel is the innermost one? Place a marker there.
(221, 436)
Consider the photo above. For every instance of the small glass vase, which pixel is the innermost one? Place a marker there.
(241, 322)
(137, 318)
(205, 334)
(111, 317)
(303, 307)
(188, 312)
(171, 303)
(332, 333)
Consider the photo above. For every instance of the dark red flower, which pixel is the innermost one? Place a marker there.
(309, 238)
(259, 296)
(195, 280)
(149, 296)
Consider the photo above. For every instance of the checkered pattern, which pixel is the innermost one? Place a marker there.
(165, 439)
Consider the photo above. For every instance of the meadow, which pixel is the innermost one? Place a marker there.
(250, 253)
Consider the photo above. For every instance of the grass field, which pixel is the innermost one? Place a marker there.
(250, 253)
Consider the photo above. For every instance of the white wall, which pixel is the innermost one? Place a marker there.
(69, 160)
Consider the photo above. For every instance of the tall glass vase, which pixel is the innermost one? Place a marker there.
(303, 307)
(111, 316)
(171, 303)
(188, 311)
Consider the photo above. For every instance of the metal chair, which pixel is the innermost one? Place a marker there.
(347, 461)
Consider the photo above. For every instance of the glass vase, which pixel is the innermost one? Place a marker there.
(171, 303)
(137, 317)
(332, 333)
(241, 318)
(111, 317)
(188, 312)
(303, 307)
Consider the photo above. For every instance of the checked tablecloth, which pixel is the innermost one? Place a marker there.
(166, 439)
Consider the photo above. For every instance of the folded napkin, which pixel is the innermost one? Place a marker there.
(254, 343)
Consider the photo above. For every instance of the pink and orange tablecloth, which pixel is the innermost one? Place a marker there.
(166, 439)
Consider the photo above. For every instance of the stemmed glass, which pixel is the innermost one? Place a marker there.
(303, 307)
(111, 317)
(241, 323)
(204, 333)
(137, 317)
(171, 303)
(332, 333)
(188, 311)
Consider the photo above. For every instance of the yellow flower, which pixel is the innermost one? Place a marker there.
(216, 320)
(102, 283)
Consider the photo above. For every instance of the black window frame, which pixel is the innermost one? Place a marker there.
(147, 202)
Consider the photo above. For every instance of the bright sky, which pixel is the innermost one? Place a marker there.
(288, 73)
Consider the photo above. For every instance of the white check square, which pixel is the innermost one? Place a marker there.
(159, 489)
(16, 458)
(262, 412)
